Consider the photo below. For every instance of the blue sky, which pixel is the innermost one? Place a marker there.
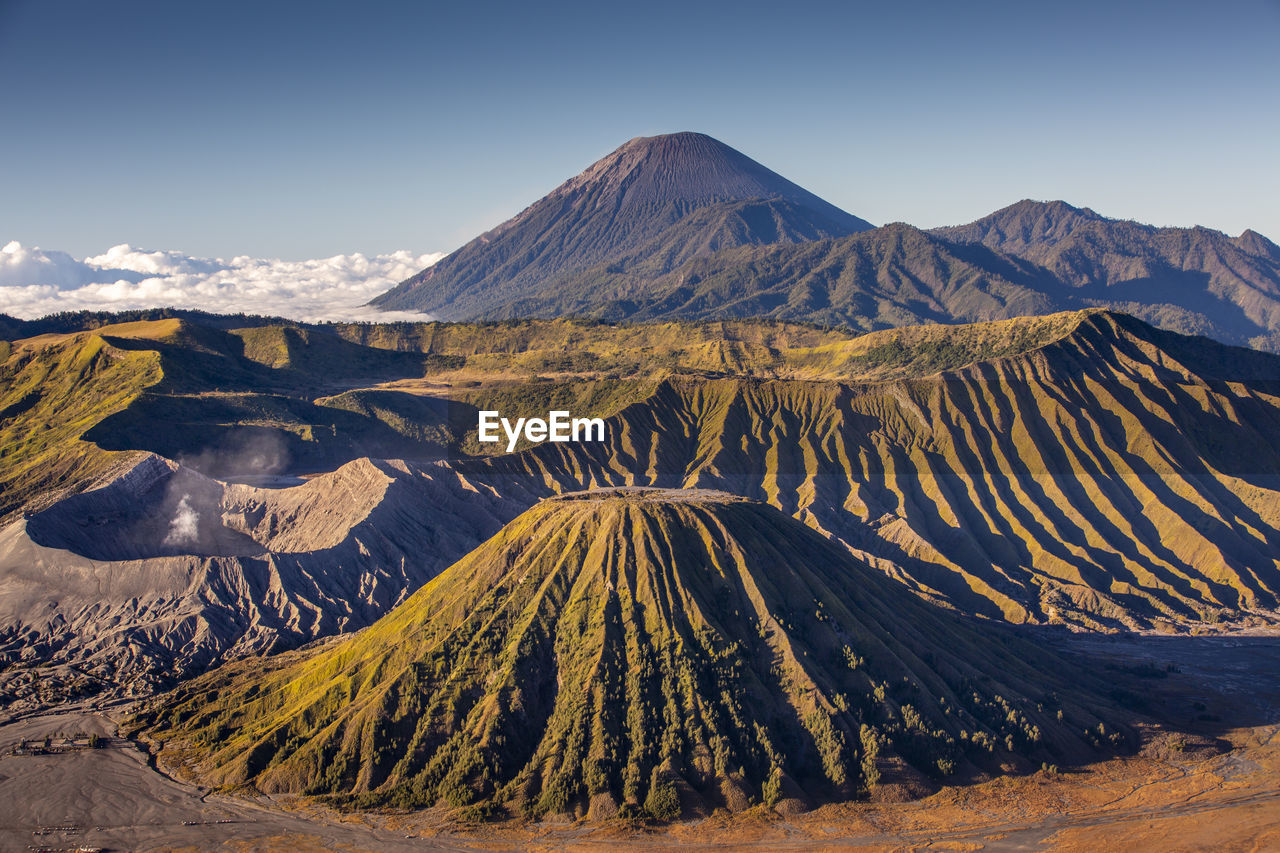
(301, 130)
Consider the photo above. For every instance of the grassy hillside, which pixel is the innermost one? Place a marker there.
(648, 653)
(1079, 467)
(219, 397)
(1115, 475)
(191, 392)
(52, 390)
(584, 348)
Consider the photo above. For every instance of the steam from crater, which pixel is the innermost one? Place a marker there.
(183, 529)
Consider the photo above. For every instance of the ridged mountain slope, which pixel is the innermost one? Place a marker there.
(1116, 474)
(887, 277)
(162, 572)
(52, 390)
(1193, 280)
(1080, 468)
(673, 196)
(1031, 258)
(662, 652)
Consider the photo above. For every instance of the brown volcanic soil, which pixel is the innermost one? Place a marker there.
(1213, 784)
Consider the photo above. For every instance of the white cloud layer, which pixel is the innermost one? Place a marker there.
(34, 282)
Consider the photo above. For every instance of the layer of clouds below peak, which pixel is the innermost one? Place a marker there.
(34, 282)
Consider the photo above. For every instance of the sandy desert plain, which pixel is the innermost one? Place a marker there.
(1214, 784)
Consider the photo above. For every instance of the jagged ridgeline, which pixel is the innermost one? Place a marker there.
(683, 227)
(644, 652)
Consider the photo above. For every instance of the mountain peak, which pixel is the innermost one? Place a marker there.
(1031, 211)
(690, 141)
(539, 674)
(1054, 207)
(1024, 223)
(688, 168)
(655, 199)
(679, 137)
(1256, 244)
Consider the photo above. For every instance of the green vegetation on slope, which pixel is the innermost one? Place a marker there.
(220, 397)
(188, 392)
(51, 392)
(522, 349)
(1118, 475)
(645, 653)
(319, 355)
(1081, 467)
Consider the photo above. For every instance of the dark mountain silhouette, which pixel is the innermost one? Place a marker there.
(1192, 280)
(676, 196)
(1029, 259)
(887, 277)
(682, 227)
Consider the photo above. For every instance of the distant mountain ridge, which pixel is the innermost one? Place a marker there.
(1193, 280)
(1028, 223)
(680, 194)
(682, 227)
(1032, 258)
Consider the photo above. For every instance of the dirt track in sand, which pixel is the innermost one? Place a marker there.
(111, 797)
(1217, 787)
